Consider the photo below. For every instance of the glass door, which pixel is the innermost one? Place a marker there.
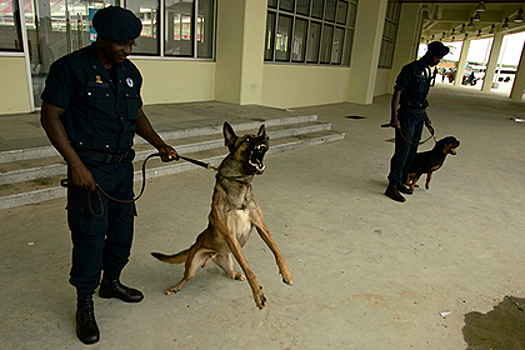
(54, 29)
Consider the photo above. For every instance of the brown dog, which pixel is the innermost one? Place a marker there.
(234, 212)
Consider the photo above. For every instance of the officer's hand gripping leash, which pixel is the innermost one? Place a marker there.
(99, 190)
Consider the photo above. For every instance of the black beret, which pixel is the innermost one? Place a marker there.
(116, 23)
(437, 48)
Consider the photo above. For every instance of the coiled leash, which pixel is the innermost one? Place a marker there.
(429, 127)
(99, 190)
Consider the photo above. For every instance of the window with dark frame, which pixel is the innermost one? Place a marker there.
(189, 28)
(310, 31)
(388, 40)
(10, 30)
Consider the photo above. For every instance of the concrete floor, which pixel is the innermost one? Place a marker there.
(369, 273)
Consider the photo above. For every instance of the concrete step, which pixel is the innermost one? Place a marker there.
(48, 166)
(212, 129)
(47, 188)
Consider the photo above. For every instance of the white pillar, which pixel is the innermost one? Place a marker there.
(493, 61)
(462, 62)
(519, 80)
(366, 48)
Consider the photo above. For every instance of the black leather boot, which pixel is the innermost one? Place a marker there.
(87, 329)
(112, 288)
(404, 189)
(393, 193)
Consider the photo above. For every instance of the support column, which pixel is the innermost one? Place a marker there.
(519, 80)
(493, 61)
(241, 28)
(407, 41)
(462, 62)
(367, 38)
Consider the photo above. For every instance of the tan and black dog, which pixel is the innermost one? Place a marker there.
(234, 212)
(430, 161)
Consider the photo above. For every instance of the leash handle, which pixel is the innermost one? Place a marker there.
(99, 190)
(429, 127)
(196, 162)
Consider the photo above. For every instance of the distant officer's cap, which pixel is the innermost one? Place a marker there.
(116, 23)
(437, 48)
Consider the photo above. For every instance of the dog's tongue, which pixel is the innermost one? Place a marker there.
(453, 151)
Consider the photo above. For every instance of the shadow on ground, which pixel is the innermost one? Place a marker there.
(503, 328)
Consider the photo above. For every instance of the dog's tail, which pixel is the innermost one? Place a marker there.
(178, 258)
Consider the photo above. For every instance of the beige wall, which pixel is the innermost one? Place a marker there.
(382, 85)
(173, 81)
(300, 85)
(14, 91)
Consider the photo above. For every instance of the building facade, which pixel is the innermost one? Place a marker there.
(280, 53)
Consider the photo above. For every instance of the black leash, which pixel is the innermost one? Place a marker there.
(99, 190)
(429, 127)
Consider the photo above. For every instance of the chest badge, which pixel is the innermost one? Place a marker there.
(130, 82)
(98, 79)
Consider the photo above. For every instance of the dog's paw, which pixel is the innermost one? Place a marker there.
(171, 291)
(260, 299)
(239, 277)
(287, 278)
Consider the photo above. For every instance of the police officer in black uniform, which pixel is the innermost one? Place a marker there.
(408, 116)
(91, 110)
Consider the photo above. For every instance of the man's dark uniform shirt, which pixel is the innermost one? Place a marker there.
(100, 111)
(414, 82)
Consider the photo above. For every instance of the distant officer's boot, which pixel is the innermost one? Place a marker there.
(394, 194)
(112, 288)
(87, 329)
(404, 189)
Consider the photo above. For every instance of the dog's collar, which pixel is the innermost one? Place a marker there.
(244, 179)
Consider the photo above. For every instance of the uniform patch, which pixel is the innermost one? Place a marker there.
(130, 82)
(98, 79)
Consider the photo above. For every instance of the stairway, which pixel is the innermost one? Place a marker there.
(29, 176)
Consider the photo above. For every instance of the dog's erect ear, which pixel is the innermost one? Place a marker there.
(229, 135)
(262, 131)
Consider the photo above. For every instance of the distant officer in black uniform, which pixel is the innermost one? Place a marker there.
(408, 116)
(91, 111)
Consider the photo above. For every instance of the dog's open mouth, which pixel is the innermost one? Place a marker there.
(453, 149)
(256, 158)
(451, 146)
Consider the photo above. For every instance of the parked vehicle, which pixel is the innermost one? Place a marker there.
(469, 78)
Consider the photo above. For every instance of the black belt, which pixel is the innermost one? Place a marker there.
(102, 157)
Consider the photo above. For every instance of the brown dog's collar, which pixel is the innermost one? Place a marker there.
(244, 179)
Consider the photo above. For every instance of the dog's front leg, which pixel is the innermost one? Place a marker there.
(257, 292)
(429, 177)
(415, 179)
(267, 237)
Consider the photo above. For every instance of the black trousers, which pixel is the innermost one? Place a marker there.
(101, 229)
(405, 152)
